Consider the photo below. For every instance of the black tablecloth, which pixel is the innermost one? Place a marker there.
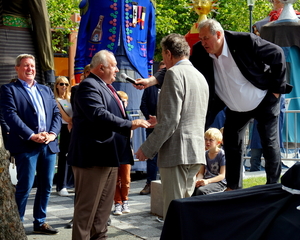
(261, 212)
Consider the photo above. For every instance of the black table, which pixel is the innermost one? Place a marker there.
(262, 212)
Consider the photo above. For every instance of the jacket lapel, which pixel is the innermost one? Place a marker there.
(23, 92)
(103, 85)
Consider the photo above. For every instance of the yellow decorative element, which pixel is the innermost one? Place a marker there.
(202, 8)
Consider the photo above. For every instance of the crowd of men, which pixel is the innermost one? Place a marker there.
(237, 70)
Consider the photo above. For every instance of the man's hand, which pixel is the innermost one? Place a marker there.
(142, 83)
(152, 120)
(140, 155)
(39, 138)
(139, 123)
(50, 137)
(43, 137)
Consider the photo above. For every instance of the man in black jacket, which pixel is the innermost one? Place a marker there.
(246, 74)
(100, 138)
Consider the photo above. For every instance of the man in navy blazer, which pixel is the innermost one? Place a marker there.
(100, 138)
(30, 111)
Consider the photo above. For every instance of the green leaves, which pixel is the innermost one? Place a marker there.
(175, 16)
(172, 16)
(60, 12)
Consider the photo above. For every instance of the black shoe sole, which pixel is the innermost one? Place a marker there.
(68, 226)
(145, 193)
(46, 233)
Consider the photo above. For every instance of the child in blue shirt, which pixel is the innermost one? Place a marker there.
(211, 178)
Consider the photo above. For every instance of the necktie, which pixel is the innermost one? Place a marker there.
(117, 98)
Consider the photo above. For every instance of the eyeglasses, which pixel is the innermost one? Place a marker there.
(210, 140)
(62, 84)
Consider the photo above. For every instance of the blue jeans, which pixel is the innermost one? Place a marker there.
(42, 162)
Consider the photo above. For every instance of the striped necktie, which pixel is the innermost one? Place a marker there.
(117, 98)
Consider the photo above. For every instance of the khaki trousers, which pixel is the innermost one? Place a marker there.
(177, 182)
(95, 189)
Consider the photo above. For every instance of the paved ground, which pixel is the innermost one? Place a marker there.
(138, 224)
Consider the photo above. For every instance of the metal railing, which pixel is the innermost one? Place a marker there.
(291, 149)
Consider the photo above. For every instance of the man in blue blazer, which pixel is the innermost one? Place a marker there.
(100, 138)
(34, 121)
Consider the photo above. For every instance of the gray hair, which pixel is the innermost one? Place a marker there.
(213, 25)
(176, 44)
(100, 58)
(22, 56)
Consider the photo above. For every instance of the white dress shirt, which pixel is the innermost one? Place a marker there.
(231, 86)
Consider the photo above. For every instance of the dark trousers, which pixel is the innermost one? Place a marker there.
(151, 163)
(64, 176)
(235, 125)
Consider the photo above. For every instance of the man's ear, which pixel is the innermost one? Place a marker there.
(168, 54)
(101, 67)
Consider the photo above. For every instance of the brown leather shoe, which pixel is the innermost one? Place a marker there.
(146, 190)
(45, 229)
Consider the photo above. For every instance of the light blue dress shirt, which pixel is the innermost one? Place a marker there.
(38, 104)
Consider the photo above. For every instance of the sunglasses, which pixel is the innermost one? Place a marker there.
(66, 84)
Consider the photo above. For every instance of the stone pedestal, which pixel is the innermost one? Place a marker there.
(156, 198)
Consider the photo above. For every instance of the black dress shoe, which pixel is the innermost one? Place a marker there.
(69, 224)
(45, 229)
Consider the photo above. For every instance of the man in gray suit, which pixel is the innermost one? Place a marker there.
(178, 135)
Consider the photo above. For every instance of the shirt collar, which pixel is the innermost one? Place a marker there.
(99, 78)
(181, 61)
(224, 50)
(25, 84)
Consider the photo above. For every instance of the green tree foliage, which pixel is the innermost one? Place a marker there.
(235, 15)
(60, 12)
(175, 16)
(172, 16)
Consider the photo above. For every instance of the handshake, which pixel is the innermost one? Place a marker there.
(144, 123)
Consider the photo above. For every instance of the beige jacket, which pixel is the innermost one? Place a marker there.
(179, 135)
